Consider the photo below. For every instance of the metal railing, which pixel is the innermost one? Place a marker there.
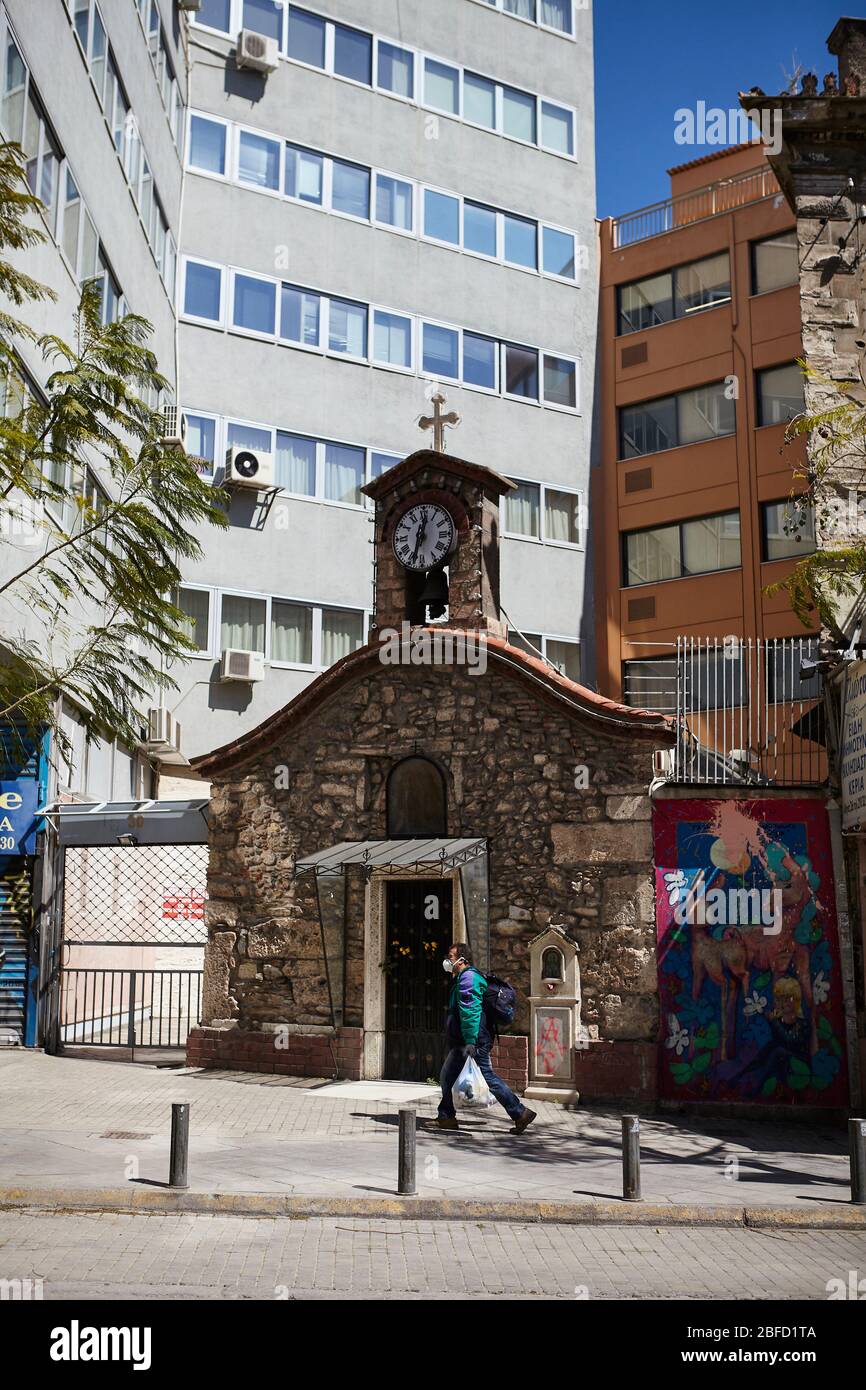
(129, 1008)
(747, 710)
(686, 208)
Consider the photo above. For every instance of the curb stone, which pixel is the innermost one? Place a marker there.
(155, 1202)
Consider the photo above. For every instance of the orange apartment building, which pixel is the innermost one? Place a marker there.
(700, 335)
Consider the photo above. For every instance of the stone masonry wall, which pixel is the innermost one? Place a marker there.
(582, 856)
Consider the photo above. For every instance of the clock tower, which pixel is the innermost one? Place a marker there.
(437, 535)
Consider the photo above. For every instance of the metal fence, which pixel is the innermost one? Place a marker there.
(135, 895)
(748, 710)
(129, 1008)
(696, 206)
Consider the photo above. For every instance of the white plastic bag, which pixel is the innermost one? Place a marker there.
(470, 1090)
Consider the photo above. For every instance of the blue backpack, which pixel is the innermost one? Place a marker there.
(499, 1002)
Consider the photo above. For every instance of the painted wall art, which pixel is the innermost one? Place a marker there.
(750, 986)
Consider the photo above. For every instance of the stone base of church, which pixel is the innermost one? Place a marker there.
(617, 1071)
(325, 1052)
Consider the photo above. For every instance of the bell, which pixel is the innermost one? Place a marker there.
(434, 595)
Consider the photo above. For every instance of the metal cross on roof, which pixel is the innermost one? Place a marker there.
(438, 421)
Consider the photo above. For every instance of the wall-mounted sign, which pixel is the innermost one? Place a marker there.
(852, 753)
(19, 798)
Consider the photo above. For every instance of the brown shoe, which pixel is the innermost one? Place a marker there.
(525, 1120)
(447, 1122)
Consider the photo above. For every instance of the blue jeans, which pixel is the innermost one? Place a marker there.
(453, 1067)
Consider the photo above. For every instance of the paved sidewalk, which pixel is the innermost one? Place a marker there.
(232, 1257)
(76, 1124)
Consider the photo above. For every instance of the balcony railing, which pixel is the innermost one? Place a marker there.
(696, 206)
(748, 710)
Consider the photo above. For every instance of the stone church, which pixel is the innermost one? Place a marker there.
(436, 785)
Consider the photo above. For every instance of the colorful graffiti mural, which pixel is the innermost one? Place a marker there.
(750, 987)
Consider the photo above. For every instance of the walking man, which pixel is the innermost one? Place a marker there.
(469, 1035)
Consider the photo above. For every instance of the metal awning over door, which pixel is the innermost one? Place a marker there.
(390, 856)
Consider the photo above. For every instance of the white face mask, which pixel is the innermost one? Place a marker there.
(448, 965)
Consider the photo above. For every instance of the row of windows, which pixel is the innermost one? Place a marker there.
(540, 512)
(359, 56)
(709, 543)
(722, 679)
(307, 176)
(707, 412)
(688, 289)
(23, 120)
(91, 34)
(547, 14)
(307, 319)
(321, 469)
(286, 631)
(148, 13)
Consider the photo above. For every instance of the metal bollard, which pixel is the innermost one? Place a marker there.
(631, 1158)
(406, 1160)
(857, 1150)
(177, 1168)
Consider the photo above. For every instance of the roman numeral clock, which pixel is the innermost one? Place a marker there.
(437, 540)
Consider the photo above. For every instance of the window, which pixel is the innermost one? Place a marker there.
(258, 160)
(239, 436)
(71, 222)
(396, 69)
(306, 37)
(255, 304)
(675, 294)
(195, 606)
(775, 263)
(14, 86)
(203, 291)
(441, 217)
(201, 441)
(560, 381)
(242, 623)
(521, 242)
(353, 54)
(350, 189)
(479, 229)
(524, 9)
(216, 14)
(693, 547)
(561, 517)
(342, 633)
(392, 339)
(300, 314)
(479, 361)
(521, 372)
(440, 350)
(523, 511)
(558, 253)
(291, 633)
(565, 656)
(479, 100)
(296, 464)
(693, 416)
(557, 128)
(394, 202)
(416, 802)
(788, 530)
(651, 684)
(304, 175)
(557, 14)
(380, 463)
(780, 394)
(441, 86)
(344, 473)
(347, 328)
(264, 17)
(518, 114)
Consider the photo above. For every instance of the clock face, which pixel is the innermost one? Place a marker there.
(424, 536)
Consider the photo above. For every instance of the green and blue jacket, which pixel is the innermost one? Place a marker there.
(465, 1007)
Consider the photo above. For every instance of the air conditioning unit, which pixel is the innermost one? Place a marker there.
(257, 52)
(237, 665)
(163, 736)
(249, 468)
(173, 427)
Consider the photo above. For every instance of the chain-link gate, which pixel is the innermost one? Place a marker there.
(133, 944)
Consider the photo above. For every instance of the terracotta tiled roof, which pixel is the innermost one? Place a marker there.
(716, 154)
(551, 686)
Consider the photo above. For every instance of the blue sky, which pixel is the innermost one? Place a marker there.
(655, 56)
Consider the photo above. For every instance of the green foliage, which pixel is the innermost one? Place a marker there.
(836, 437)
(92, 571)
